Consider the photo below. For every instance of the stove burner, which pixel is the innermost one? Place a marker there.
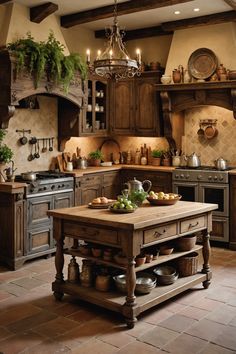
(50, 174)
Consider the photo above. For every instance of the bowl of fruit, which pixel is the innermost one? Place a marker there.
(161, 198)
(123, 205)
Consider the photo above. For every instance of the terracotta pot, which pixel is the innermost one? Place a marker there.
(95, 162)
(139, 261)
(176, 76)
(156, 161)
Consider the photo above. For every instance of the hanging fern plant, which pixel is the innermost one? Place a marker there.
(41, 57)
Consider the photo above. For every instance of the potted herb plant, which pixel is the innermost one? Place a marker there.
(47, 57)
(95, 157)
(6, 154)
(156, 157)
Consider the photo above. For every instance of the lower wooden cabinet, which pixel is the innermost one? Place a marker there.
(161, 181)
(232, 215)
(96, 185)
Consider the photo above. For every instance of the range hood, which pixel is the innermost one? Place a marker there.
(179, 97)
(15, 87)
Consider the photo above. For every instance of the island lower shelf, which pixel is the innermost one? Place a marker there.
(115, 300)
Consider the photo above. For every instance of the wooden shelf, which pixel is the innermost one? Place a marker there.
(115, 300)
(159, 260)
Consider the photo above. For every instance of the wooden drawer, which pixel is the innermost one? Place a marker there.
(192, 224)
(91, 234)
(159, 233)
(91, 180)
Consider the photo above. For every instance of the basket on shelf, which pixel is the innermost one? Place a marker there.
(188, 265)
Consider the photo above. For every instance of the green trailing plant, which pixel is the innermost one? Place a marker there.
(96, 155)
(157, 153)
(41, 57)
(6, 153)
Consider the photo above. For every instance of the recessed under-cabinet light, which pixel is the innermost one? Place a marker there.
(177, 12)
(196, 10)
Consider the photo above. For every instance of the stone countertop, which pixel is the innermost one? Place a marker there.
(232, 172)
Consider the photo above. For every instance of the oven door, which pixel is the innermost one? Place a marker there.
(217, 194)
(188, 190)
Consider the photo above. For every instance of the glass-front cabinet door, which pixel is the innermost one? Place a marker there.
(94, 114)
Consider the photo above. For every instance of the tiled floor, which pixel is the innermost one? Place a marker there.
(198, 321)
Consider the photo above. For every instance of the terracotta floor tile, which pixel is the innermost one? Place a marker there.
(13, 289)
(82, 316)
(185, 344)
(206, 304)
(222, 294)
(45, 277)
(177, 323)
(116, 338)
(55, 327)
(4, 295)
(206, 329)
(193, 312)
(156, 316)
(4, 333)
(223, 314)
(158, 337)
(32, 321)
(139, 348)
(227, 338)
(18, 313)
(215, 349)
(95, 347)
(27, 283)
(139, 329)
(49, 347)
(20, 342)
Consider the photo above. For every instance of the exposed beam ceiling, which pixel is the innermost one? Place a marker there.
(231, 3)
(200, 21)
(123, 8)
(4, 1)
(169, 27)
(39, 13)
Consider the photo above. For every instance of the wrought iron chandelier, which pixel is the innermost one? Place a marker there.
(114, 62)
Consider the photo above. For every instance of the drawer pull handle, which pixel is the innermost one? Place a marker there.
(158, 234)
(193, 225)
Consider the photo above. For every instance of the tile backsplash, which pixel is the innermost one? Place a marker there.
(223, 145)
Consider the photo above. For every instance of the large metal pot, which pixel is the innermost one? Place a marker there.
(221, 164)
(29, 176)
(193, 160)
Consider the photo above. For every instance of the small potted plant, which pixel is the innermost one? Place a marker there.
(156, 157)
(6, 154)
(95, 157)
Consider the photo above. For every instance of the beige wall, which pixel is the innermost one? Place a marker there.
(14, 23)
(221, 39)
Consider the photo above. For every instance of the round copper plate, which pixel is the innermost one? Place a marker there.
(202, 63)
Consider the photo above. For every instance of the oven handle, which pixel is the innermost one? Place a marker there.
(49, 193)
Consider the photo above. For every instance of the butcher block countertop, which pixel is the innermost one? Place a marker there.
(80, 172)
(144, 216)
(12, 187)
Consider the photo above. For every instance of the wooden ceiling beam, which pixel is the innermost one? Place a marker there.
(155, 31)
(200, 21)
(123, 8)
(4, 1)
(231, 3)
(39, 13)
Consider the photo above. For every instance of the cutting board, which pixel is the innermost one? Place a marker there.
(110, 149)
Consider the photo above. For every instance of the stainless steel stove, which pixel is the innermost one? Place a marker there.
(206, 184)
(48, 183)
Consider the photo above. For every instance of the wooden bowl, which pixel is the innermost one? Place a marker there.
(186, 243)
(166, 249)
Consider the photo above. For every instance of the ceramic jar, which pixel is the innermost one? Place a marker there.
(176, 75)
(86, 276)
(73, 271)
(102, 282)
(221, 70)
(187, 77)
(166, 79)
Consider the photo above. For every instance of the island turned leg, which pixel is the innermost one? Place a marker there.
(59, 259)
(206, 251)
(128, 309)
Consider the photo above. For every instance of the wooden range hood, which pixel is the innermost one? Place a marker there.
(17, 87)
(179, 97)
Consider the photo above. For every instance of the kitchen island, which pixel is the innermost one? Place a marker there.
(147, 226)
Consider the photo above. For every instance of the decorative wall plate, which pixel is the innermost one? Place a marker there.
(202, 63)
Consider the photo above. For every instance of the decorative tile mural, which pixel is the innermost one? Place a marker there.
(223, 145)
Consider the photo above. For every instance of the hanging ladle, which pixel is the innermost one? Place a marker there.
(50, 144)
(200, 130)
(44, 149)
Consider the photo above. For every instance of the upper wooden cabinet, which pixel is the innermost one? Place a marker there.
(94, 114)
(135, 106)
